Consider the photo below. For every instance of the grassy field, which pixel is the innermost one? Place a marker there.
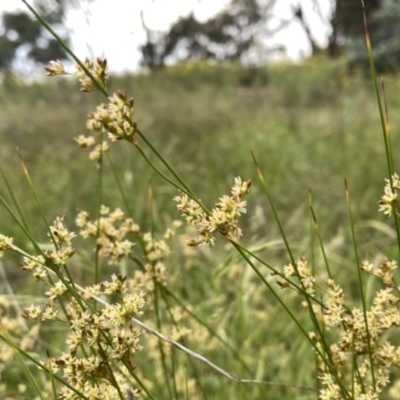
(309, 127)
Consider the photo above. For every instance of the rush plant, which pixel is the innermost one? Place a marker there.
(128, 328)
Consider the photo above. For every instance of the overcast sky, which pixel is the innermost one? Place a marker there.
(113, 28)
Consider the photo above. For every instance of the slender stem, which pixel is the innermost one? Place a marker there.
(386, 135)
(360, 284)
(321, 243)
(209, 329)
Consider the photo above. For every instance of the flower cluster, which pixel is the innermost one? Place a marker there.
(54, 258)
(331, 391)
(384, 271)
(110, 232)
(362, 337)
(352, 338)
(223, 218)
(98, 150)
(96, 341)
(362, 340)
(303, 273)
(335, 308)
(115, 117)
(388, 202)
(97, 69)
(16, 330)
(55, 68)
(155, 251)
(5, 243)
(101, 341)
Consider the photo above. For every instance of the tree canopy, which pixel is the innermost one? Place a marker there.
(237, 33)
(23, 36)
(229, 36)
(347, 22)
(348, 34)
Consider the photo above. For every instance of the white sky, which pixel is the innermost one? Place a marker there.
(113, 28)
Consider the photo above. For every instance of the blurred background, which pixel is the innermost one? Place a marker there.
(212, 80)
(151, 33)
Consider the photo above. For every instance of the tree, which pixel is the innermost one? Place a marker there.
(384, 30)
(23, 36)
(299, 15)
(383, 27)
(229, 36)
(347, 22)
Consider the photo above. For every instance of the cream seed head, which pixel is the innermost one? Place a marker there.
(396, 181)
(388, 202)
(50, 313)
(98, 151)
(32, 262)
(384, 271)
(57, 290)
(98, 69)
(349, 340)
(301, 271)
(115, 117)
(115, 286)
(85, 141)
(110, 232)
(5, 242)
(55, 68)
(108, 336)
(54, 257)
(61, 235)
(32, 312)
(223, 218)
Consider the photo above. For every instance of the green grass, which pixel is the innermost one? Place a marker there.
(309, 126)
(304, 126)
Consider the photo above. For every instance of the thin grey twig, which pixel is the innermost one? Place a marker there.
(9, 291)
(199, 356)
(179, 346)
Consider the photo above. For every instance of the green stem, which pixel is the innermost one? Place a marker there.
(360, 284)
